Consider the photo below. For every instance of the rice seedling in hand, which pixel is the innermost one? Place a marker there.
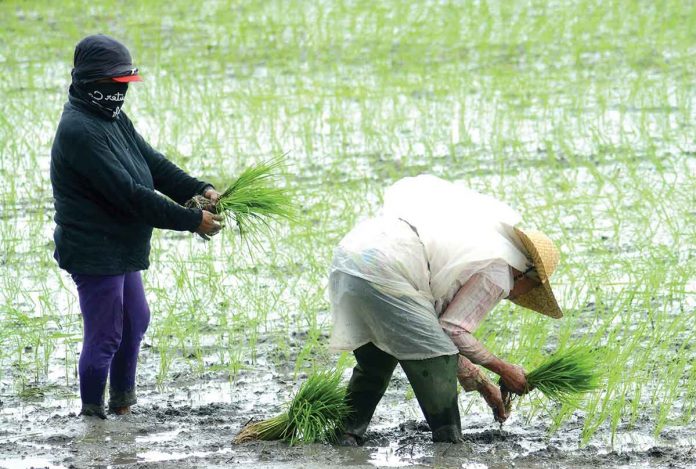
(564, 376)
(567, 374)
(253, 200)
(315, 413)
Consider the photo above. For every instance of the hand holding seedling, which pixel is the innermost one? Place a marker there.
(212, 195)
(251, 201)
(563, 377)
(209, 225)
(514, 380)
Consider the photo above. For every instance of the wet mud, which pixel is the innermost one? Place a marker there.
(191, 423)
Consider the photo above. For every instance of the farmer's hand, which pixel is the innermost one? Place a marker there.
(212, 195)
(514, 380)
(209, 225)
(491, 393)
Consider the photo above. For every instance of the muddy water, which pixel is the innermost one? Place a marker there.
(191, 423)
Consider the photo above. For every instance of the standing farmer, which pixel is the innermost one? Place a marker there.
(411, 286)
(104, 176)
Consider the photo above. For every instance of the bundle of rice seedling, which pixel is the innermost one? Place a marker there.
(315, 413)
(566, 375)
(253, 199)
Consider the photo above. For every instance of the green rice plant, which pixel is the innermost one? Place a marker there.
(253, 199)
(315, 413)
(567, 374)
(601, 131)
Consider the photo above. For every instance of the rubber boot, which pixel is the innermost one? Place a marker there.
(370, 379)
(434, 382)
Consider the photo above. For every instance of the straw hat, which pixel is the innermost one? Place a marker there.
(544, 256)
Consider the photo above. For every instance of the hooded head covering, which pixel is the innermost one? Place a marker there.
(99, 56)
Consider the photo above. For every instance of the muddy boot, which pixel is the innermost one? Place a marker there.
(370, 379)
(121, 401)
(348, 440)
(434, 382)
(93, 410)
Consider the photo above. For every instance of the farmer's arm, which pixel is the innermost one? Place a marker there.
(461, 318)
(102, 170)
(169, 179)
(471, 379)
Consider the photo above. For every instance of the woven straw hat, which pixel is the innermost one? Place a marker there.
(544, 256)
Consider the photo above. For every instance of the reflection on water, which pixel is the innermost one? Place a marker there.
(396, 456)
(158, 437)
(635, 441)
(154, 456)
(23, 463)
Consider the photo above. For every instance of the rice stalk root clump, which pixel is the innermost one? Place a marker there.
(316, 413)
(200, 202)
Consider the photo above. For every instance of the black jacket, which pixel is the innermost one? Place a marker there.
(104, 177)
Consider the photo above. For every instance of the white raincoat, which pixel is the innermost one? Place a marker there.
(429, 239)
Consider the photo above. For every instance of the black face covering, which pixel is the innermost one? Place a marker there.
(106, 98)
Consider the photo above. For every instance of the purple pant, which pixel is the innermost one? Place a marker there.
(115, 316)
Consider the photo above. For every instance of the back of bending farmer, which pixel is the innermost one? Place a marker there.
(411, 286)
(104, 176)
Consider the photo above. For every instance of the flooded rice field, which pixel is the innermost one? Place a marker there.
(578, 113)
(191, 423)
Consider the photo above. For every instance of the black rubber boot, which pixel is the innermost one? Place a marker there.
(370, 379)
(434, 382)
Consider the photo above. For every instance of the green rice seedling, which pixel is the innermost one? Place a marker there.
(602, 132)
(253, 199)
(315, 413)
(567, 374)
(272, 429)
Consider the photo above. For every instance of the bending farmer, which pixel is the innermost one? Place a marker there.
(411, 286)
(104, 177)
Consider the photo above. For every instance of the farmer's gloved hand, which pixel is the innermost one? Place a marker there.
(209, 225)
(514, 380)
(491, 393)
(212, 195)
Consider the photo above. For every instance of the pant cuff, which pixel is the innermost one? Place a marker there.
(121, 398)
(93, 410)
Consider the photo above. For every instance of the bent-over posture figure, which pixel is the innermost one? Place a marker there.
(411, 285)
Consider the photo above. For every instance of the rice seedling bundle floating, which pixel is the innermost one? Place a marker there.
(253, 200)
(316, 413)
(566, 375)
